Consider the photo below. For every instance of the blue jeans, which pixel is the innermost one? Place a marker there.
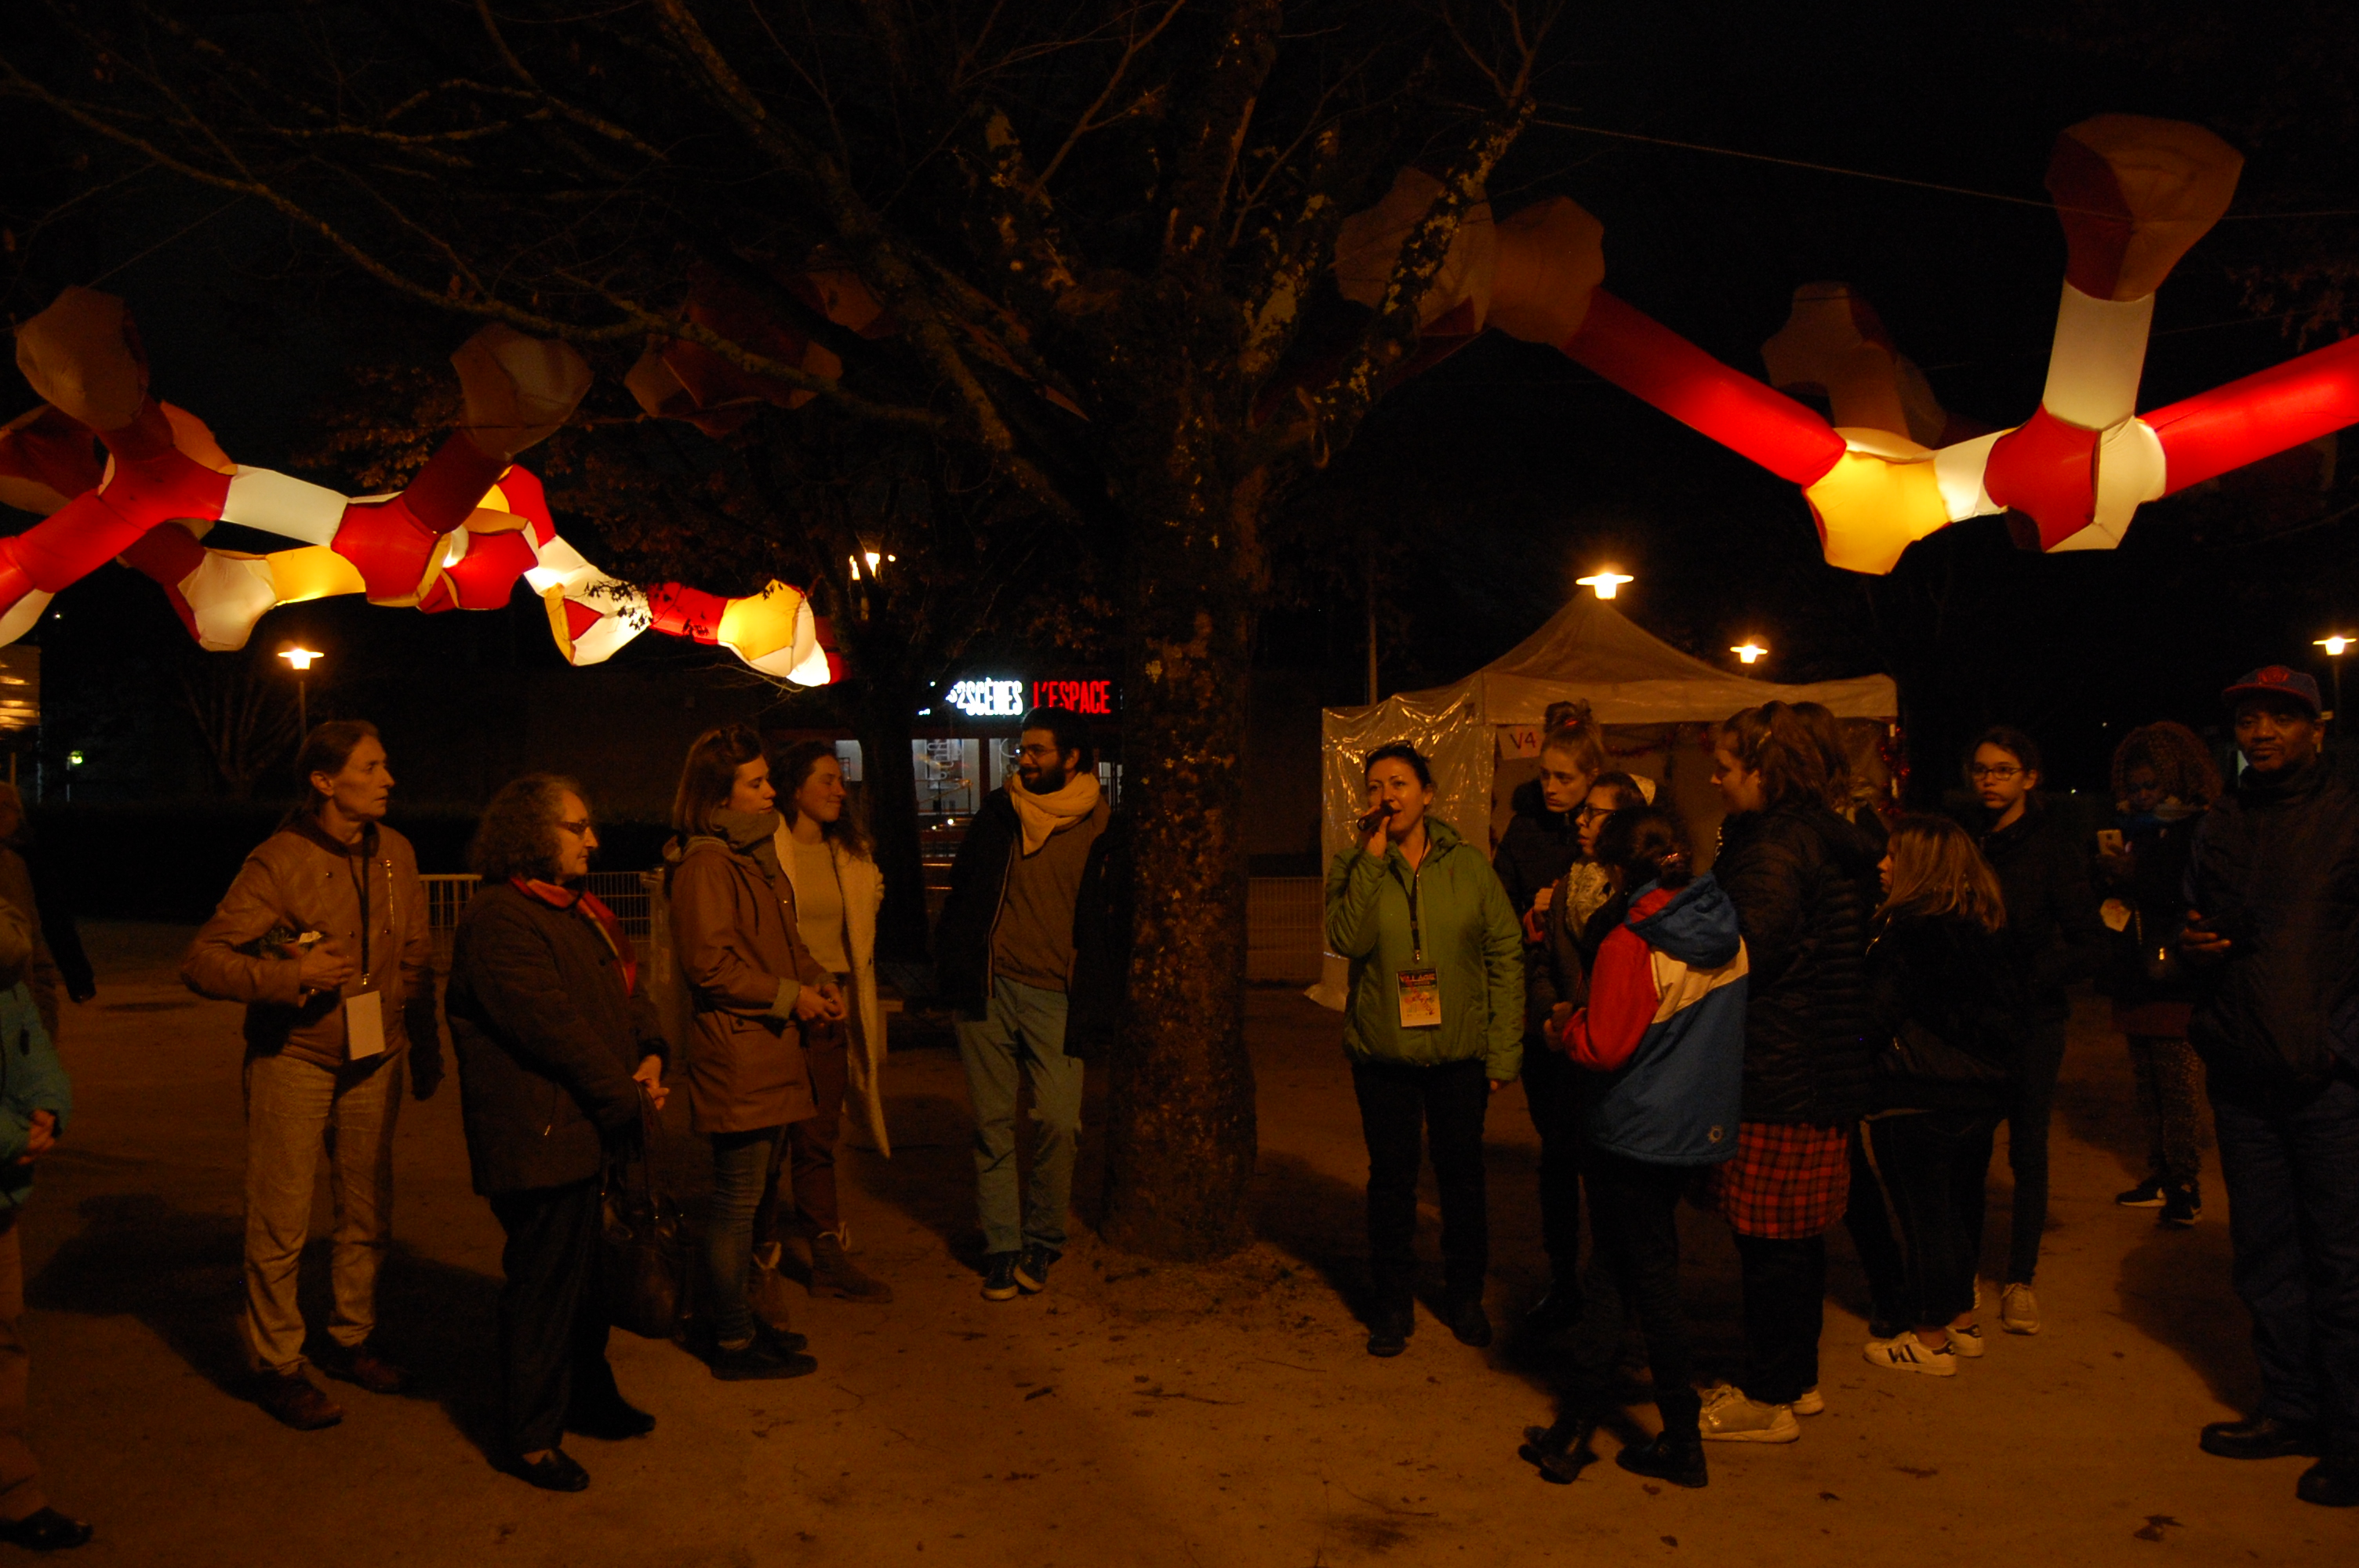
(741, 1167)
(1023, 1027)
(2292, 1165)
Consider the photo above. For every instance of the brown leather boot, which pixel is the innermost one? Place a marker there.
(293, 1398)
(833, 1274)
(364, 1365)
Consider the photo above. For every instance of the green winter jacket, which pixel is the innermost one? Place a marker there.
(1470, 938)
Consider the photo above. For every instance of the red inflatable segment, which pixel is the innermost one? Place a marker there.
(168, 553)
(390, 542)
(1654, 363)
(2207, 435)
(690, 612)
(485, 576)
(2046, 469)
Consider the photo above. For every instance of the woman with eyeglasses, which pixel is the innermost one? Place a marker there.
(755, 987)
(558, 1048)
(2057, 938)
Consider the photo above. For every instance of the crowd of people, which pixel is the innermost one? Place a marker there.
(1830, 1025)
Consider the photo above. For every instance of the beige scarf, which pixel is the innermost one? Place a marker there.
(1045, 813)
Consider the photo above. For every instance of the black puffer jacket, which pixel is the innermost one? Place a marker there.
(1949, 1015)
(1794, 871)
(1102, 924)
(1539, 847)
(2051, 913)
(2276, 870)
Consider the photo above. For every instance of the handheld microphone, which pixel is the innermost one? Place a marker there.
(1368, 824)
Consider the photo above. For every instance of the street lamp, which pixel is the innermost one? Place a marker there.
(2336, 645)
(1605, 583)
(1749, 652)
(302, 658)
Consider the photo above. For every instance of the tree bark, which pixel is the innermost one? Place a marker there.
(1182, 1134)
(882, 711)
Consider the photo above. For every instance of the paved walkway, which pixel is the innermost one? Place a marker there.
(1134, 1415)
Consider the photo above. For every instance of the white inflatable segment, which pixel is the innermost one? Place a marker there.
(227, 594)
(24, 615)
(1958, 471)
(281, 503)
(2097, 357)
(2131, 471)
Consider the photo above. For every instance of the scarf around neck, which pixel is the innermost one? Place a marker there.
(1042, 815)
(593, 909)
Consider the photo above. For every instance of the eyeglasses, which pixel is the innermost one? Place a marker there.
(2001, 773)
(1592, 812)
(579, 829)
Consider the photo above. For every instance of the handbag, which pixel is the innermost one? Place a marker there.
(643, 1273)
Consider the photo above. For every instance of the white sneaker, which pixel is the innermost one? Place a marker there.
(1729, 1417)
(1812, 1402)
(1966, 1339)
(2018, 1310)
(1906, 1353)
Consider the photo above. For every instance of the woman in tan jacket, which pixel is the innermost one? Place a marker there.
(753, 985)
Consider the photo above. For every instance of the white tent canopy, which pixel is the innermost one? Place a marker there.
(1587, 651)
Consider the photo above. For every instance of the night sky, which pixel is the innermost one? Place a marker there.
(1486, 486)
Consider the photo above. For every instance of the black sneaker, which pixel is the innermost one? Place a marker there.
(2146, 1195)
(758, 1361)
(1679, 1460)
(2331, 1482)
(1032, 1268)
(1389, 1330)
(1555, 1311)
(999, 1277)
(2182, 1207)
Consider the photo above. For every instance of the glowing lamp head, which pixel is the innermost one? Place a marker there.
(1606, 583)
(2336, 645)
(301, 658)
(1749, 652)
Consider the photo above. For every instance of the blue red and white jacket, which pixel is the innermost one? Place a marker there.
(1665, 1028)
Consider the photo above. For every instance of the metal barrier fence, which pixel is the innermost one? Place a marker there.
(1285, 919)
(628, 893)
(1286, 928)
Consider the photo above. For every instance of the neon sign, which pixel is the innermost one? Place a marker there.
(988, 698)
(1090, 696)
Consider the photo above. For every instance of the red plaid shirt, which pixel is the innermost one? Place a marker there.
(1787, 1181)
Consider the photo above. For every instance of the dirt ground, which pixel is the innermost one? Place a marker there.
(1135, 1415)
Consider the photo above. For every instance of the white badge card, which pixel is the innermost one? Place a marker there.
(1421, 999)
(365, 1025)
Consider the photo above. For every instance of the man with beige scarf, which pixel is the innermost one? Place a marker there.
(1033, 949)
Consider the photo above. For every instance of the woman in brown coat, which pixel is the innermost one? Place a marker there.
(753, 985)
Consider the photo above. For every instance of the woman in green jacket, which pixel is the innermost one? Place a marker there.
(1434, 1025)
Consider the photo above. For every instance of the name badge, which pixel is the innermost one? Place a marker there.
(365, 1025)
(1421, 999)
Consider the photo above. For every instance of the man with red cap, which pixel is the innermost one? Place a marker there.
(2274, 933)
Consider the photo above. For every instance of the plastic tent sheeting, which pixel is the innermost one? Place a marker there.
(1588, 651)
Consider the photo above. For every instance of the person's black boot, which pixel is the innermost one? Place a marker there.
(1555, 1311)
(1676, 1457)
(1561, 1451)
(1390, 1324)
(2262, 1437)
(1470, 1323)
(2333, 1481)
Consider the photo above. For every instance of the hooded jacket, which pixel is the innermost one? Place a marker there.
(1949, 1002)
(1377, 908)
(1794, 871)
(1665, 1025)
(2052, 922)
(2276, 870)
(1539, 847)
(733, 933)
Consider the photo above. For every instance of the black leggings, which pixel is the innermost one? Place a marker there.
(1934, 1165)
(1441, 1108)
(1634, 1209)
(1785, 1310)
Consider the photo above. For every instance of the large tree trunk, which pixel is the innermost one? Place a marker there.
(1180, 1138)
(883, 708)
